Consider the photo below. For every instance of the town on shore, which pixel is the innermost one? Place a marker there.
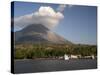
(55, 51)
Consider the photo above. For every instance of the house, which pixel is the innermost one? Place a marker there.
(93, 57)
(90, 57)
(73, 56)
(66, 57)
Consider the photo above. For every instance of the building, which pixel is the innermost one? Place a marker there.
(66, 57)
(73, 56)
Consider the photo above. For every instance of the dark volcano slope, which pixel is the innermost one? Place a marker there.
(37, 33)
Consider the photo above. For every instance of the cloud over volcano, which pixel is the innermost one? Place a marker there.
(45, 15)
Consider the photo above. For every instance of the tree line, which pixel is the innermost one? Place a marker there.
(53, 50)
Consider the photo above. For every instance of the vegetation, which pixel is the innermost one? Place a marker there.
(33, 51)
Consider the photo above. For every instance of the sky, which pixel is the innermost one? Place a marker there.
(75, 23)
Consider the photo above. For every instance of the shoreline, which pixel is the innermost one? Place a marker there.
(53, 59)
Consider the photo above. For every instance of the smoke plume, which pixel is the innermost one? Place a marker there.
(45, 15)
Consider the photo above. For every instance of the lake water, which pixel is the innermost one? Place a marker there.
(30, 66)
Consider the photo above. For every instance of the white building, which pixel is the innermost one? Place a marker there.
(93, 57)
(66, 57)
(73, 56)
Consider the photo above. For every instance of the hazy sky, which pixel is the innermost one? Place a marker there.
(79, 24)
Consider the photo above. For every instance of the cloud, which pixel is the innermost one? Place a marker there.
(45, 16)
(61, 8)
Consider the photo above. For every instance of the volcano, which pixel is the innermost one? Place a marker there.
(37, 33)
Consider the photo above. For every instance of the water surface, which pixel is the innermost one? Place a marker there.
(30, 66)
